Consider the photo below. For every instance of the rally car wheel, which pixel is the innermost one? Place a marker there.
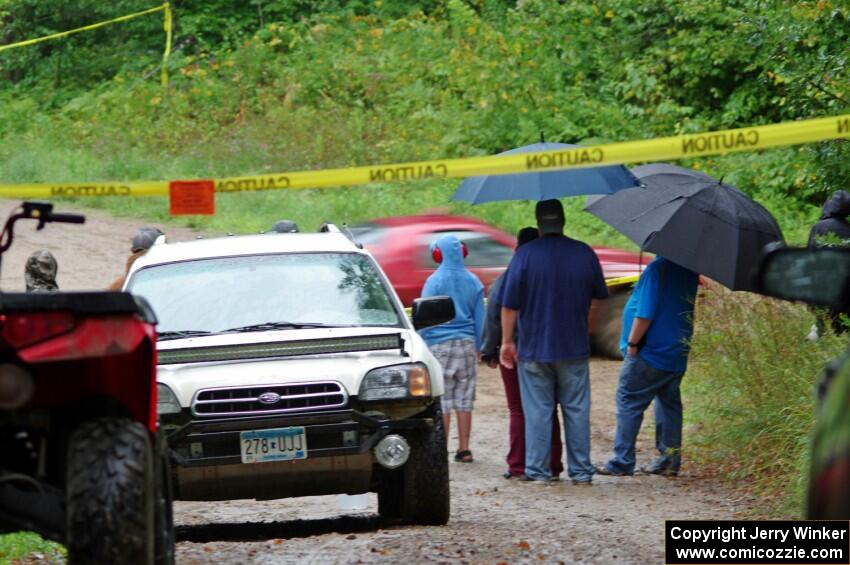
(110, 497)
(606, 335)
(418, 493)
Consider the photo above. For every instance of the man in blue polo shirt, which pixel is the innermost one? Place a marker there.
(547, 291)
(658, 322)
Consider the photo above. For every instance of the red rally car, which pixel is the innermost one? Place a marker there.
(401, 246)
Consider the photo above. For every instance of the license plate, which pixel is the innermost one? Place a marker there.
(277, 444)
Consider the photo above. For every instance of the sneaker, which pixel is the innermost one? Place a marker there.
(510, 476)
(663, 471)
(582, 483)
(528, 480)
(554, 479)
(813, 334)
(604, 470)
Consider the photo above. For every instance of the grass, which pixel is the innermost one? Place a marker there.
(749, 395)
(17, 547)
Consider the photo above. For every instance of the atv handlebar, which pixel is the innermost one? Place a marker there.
(35, 210)
(67, 218)
(43, 212)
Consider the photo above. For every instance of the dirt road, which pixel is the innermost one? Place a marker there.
(493, 520)
(617, 520)
(90, 256)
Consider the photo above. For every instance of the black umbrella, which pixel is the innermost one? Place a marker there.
(692, 219)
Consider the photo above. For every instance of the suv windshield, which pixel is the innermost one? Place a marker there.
(268, 291)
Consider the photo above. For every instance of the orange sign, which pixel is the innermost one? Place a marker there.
(191, 197)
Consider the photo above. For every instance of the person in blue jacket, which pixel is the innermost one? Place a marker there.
(456, 344)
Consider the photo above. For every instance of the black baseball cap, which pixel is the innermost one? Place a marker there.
(285, 226)
(550, 216)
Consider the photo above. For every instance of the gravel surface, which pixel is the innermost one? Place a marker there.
(90, 256)
(618, 519)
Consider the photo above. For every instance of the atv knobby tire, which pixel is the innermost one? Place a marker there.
(110, 498)
(606, 335)
(418, 493)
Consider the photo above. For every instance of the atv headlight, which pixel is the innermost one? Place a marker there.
(166, 402)
(396, 381)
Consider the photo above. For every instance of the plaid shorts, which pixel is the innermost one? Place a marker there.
(458, 359)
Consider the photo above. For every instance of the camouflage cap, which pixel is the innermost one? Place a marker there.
(40, 271)
(143, 238)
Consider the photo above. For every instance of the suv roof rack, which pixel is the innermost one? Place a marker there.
(328, 227)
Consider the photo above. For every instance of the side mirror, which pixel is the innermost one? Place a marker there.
(816, 276)
(432, 311)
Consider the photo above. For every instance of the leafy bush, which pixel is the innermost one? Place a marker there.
(19, 546)
(749, 394)
(288, 85)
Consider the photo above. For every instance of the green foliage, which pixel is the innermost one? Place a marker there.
(53, 72)
(18, 546)
(278, 85)
(750, 391)
(271, 85)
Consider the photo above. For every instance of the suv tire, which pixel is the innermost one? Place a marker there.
(110, 498)
(606, 335)
(418, 493)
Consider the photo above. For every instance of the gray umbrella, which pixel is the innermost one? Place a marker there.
(692, 219)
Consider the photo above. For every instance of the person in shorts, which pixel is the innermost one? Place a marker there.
(455, 344)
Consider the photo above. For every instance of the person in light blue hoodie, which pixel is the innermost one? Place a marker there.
(456, 344)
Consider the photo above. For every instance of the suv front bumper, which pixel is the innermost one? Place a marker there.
(208, 462)
(329, 434)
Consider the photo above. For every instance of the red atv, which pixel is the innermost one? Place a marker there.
(82, 460)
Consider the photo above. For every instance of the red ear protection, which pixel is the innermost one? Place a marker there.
(437, 255)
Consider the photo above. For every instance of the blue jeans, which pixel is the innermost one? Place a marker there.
(541, 385)
(639, 384)
(659, 425)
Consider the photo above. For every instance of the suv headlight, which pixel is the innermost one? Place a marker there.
(166, 402)
(396, 381)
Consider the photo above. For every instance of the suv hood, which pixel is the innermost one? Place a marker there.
(347, 368)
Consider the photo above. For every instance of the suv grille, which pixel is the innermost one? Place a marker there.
(269, 399)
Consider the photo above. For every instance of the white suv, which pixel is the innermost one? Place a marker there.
(287, 367)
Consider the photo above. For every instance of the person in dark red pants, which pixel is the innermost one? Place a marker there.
(490, 355)
(516, 430)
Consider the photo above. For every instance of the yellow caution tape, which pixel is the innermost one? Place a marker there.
(660, 149)
(167, 26)
(165, 8)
